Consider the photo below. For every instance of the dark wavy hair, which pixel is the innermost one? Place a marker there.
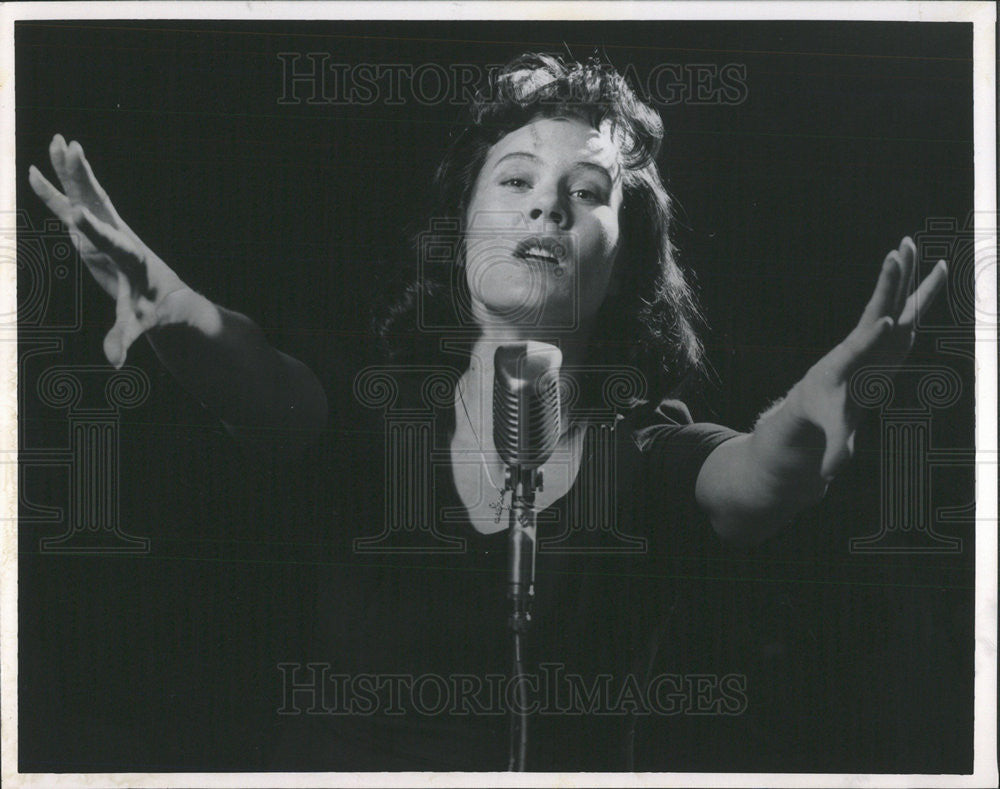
(650, 323)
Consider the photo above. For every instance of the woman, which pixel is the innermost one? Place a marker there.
(563, 227)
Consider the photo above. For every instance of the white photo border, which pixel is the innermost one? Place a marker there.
(982, 15)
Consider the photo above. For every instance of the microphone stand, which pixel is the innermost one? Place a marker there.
(521, 592)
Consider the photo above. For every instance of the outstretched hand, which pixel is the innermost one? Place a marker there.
(885, 333)
(122, 264)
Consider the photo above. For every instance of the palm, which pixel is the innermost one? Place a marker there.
(101, 265)
(885, 333)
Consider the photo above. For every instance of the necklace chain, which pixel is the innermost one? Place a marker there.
(498, 505)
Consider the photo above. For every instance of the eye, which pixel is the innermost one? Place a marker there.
(588, 195)
(515, 183)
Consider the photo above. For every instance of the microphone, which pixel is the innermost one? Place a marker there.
(526, 430)
(525, 433)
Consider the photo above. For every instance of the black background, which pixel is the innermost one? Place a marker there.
(851, 136)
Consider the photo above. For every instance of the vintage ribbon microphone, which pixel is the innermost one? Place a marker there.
(526, 430)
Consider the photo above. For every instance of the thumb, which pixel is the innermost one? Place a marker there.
(120, 339)
(127, 326)
(839, 450)
(114, 346)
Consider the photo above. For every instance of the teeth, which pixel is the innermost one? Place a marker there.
(538, 252)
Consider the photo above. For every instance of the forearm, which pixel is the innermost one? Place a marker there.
(754, 484)
(224, 360)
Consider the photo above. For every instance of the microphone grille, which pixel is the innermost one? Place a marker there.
(526, 402)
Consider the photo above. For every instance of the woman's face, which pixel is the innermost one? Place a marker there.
(542, 225)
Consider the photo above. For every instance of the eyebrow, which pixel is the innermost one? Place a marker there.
(525, 155)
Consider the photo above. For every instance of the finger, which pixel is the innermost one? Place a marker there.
(59, 205)
(89, 190)
(55, 200)
(883, 299)
(64, 161)
(57, 155)
(70, 170)
(108, 240)
(858, 347)
(906, 254)
(924, 296)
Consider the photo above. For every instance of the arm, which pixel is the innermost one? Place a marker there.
(224, 359)
(221, 357)
(752, 485)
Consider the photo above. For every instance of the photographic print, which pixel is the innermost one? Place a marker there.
(499, 388)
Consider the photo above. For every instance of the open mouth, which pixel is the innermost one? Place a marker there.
(541, 250)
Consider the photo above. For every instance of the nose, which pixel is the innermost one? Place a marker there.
(555, 216)
(548, 209)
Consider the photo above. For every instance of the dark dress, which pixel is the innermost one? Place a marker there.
(411, 646)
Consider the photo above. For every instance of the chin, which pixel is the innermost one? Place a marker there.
(521, 309)
(507, 290)
(529, 312)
